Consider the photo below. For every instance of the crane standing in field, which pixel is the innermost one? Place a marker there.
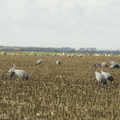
(107, 76)
(20, 73)
(100, 77)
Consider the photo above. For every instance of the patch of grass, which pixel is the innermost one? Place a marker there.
(68, 91)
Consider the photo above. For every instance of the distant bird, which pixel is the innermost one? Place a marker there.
(107, 76)
(25, 54)
(13, 54)
(34, 54)
(20, 73)
(39, 62)
(100, 77)
(111, 61)
(104, 64)
(58, 62)
(4, 53)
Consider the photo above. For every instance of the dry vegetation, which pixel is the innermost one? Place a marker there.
(58, 92)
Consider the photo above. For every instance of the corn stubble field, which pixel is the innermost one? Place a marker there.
(58, 92)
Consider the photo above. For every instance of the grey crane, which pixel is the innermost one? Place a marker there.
(103, 64)
(58, 62)
(4, 53)
(111, 61)
(114, 64)
(11, 71)
(107, 76)
(39, 62)
(20, 73)
(100, 77)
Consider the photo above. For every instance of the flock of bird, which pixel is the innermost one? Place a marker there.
(101, 77)
(104, 77)
(21, 73)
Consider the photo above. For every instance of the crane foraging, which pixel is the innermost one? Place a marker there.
(114, 64)
(103, 64)
(20, 73)
(11, 70)
(111, 61)
(39, 62)
(58, 62)
(100, 77)
(108, 76)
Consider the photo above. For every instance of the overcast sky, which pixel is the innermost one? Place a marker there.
(60, 23)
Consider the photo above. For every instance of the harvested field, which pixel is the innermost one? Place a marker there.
(58, 92)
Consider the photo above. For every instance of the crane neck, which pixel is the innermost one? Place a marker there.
(101, 68)
(95, 68)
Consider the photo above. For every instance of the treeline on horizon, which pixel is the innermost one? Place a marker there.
(53, 49)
